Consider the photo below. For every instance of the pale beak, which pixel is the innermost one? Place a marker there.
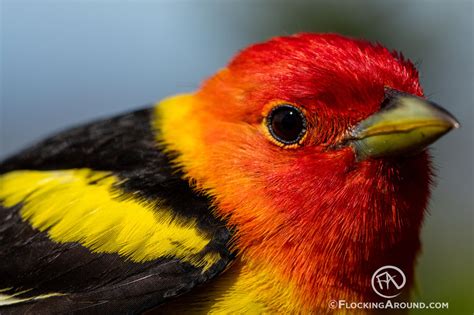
(404, 125)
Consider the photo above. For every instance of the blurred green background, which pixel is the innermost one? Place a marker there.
(65, 62)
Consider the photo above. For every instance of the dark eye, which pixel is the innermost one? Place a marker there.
(286, 124)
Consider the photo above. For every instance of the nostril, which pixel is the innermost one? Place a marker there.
(389, 96)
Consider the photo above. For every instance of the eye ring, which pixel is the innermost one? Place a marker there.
(287, 124)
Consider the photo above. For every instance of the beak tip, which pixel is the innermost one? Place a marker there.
(452, 121)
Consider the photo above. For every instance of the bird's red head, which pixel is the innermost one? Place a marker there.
(277, 138)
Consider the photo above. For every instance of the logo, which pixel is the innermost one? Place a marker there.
(388, 281)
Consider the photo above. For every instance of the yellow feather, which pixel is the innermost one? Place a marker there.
(84, 206)
(178, 129)
(11, 299)
(244, 288)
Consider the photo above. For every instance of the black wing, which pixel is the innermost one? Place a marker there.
(40, 273)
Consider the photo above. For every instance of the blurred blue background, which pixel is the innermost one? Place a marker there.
(65, 62)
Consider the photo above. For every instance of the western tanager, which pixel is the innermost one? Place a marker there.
(283, 183)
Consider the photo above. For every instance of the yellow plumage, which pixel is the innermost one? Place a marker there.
(83, 206)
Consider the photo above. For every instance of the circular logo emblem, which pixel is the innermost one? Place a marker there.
(388, 281)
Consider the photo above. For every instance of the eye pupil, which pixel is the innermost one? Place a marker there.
(287, 124)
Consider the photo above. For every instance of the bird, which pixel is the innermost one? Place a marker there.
(283, 183)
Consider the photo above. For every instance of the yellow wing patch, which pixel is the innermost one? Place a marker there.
(11, 299)
(82, 206)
